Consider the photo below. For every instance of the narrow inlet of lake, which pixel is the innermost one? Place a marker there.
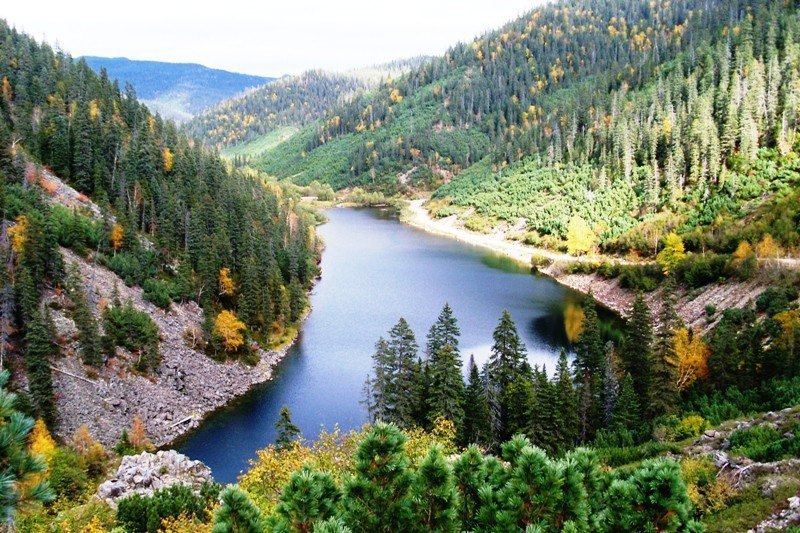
(375, 270)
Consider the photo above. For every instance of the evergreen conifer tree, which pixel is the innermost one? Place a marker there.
(663, 396)
(566, 404)
(402, 352)
(627, 411)
(377, 497)
(39, 349)
(19, 470)
(238, 513)
(470, 477)
(475, 427)
(434, 494)
(309, 498)
(288, 432)
(610, 384)
(637, 352)
(446, 395)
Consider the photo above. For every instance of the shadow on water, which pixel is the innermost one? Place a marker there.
(374, 271)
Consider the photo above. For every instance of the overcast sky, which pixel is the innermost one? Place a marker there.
(264, 37)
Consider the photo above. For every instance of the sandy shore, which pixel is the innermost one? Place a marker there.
(607, 292)
(416, 215)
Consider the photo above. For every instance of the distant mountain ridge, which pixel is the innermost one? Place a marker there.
(176, 90)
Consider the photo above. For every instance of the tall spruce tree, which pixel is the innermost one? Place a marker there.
(544, 419)
(610, 383)
(637, 352)
(566, 404)
(475, 428)
(663, 396)
(88, 335)
(401, 400)
(446, 393)
(504, 368)
(627, 411)
(377, 385)
(40, 347)
(288, 432)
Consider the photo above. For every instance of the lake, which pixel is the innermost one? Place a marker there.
(375, 270)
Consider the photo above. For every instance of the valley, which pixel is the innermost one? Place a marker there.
(543, 279)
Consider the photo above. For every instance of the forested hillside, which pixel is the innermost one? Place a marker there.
(175, 90)
(173, 220)
(632, 108)
(292, 101)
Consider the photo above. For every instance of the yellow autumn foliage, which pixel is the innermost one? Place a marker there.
(40, 440)
(168, 160)
(580, 237)
(227, 287)
(18, 235)
(690, 357)
(230, 329)
(573, 321)
(117, 235)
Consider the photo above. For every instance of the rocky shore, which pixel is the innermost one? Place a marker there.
(185, 387)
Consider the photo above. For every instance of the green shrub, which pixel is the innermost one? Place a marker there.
(698, 270)
(640, 277)
(139, 513)
(673, 429)
(134, 330)
(67, 475)
(776, 299)
(157, 292)
(764, 443)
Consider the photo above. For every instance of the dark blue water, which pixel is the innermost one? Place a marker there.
(375, 270)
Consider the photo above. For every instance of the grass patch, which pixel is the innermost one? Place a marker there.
(749, 508)
(261, 144)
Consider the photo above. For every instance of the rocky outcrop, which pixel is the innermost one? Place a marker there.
(171, 400)
(147, 472)
(783, 519)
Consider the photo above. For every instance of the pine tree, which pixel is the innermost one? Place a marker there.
(377, 497)
(566, 404)
(589, 349)
(20, 470)
(475, 428)
(238, 513)
(434, 494)
(39, 350)
(470, 477)
(288, 432)
(309, 498)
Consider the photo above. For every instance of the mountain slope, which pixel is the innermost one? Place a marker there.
(176, 90)
(613, 110)
(147, 207)
(293, 101)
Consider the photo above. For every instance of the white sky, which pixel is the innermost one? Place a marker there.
(266, 37)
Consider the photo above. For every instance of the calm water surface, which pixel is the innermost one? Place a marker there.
(374, 270)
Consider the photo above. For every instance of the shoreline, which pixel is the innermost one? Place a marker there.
(691, 305)
(608, 293)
